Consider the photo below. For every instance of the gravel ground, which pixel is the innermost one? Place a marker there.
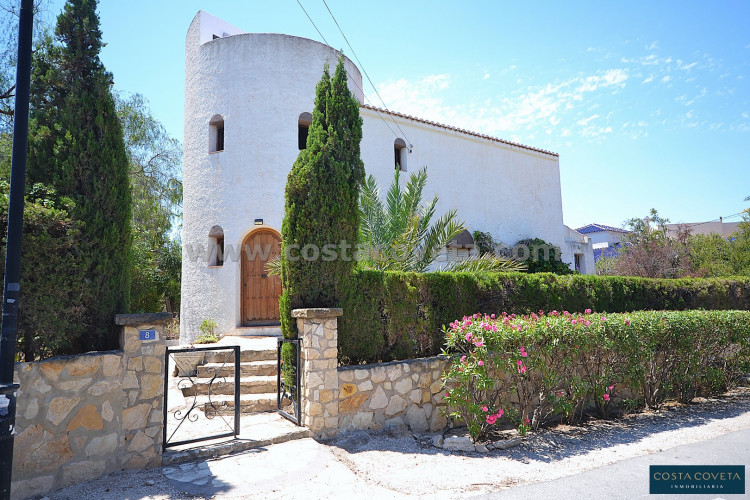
(385, 466)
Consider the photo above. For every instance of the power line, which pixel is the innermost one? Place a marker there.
(365, 71)
(715, 220)
(353, 80)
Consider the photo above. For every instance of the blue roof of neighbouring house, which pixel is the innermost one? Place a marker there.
(595, 228)
(612, 251)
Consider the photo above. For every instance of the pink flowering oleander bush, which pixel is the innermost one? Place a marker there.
(527, 370)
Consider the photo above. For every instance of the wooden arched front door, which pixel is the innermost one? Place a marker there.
(260, 291)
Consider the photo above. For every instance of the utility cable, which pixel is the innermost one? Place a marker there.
(353, 80)
(365, 72)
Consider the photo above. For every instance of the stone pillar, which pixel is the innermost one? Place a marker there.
(319, 377)
(144, 348)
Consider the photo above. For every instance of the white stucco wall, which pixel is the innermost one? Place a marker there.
(580, 244)
(609, 237)
(509, 191)
(260, 84)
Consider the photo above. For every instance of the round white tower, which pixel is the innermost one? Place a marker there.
(248, 102)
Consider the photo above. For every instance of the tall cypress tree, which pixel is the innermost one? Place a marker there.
(76, 146)
(321, 202)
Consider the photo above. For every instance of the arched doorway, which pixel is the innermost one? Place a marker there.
(260, 291)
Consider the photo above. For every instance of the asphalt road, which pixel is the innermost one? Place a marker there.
(629, 479)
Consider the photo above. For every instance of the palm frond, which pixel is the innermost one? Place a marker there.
(485, 263)
(437, 237)
(273, 266)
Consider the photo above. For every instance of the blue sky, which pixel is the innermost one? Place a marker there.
(647, 103)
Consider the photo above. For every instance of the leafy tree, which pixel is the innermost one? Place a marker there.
(715, 256)
(154, 158)
(650, 252)
(76, 145)
(321, 202)
(712, 255)
(401, 235)
(9, 12)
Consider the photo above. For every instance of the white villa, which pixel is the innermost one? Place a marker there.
(248, 103)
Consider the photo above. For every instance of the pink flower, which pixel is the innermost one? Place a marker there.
(610, 387)
(492, 316)
(574, 322)
(627, 322)
(491, 419)
(463, 359)
(523, 352)
(519, 362)
(447, 394)
(485, 409)
(526, 421)
(479, 344)
(523, 369)
(559, 394)
(604, 319)
(587, 323)
(499, 413)
(480, 363)
(605, 396)
(587, 311)
(468, 336)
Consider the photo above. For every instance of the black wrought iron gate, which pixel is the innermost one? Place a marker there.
(288, 379)
(209, 404)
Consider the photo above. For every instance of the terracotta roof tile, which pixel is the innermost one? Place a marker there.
(460, 130)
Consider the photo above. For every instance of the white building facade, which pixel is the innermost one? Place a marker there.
(248, 101)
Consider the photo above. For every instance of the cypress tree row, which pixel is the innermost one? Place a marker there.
(76, 146)
(321, 210)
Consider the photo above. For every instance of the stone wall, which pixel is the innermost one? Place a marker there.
(79, 417)
(403, 393)
(393, 394)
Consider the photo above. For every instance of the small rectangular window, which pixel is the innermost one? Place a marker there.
(302, 131)
(220, 137)
(220, 251)
(578, 257)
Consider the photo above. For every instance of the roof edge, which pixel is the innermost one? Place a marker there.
(460, 130)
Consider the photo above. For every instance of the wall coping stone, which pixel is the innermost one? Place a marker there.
(396, 362)
(160, 318)
(317, 312)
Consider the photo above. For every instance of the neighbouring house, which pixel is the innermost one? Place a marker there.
(248, 104)
(723, 229)
(606, 240)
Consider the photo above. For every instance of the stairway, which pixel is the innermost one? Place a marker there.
(258, 376)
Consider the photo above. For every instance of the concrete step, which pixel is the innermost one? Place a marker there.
(249, 403)
(249, 355)
(248, 385)
(257, 431)
(255, 331)
(247, 368)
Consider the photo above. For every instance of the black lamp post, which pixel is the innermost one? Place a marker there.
(13, 247)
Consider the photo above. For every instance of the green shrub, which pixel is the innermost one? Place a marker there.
(50, 320)
(206, 338)
(389, 316)
(532, 368)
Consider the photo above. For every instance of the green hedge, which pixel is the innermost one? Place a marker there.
(389, 316)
